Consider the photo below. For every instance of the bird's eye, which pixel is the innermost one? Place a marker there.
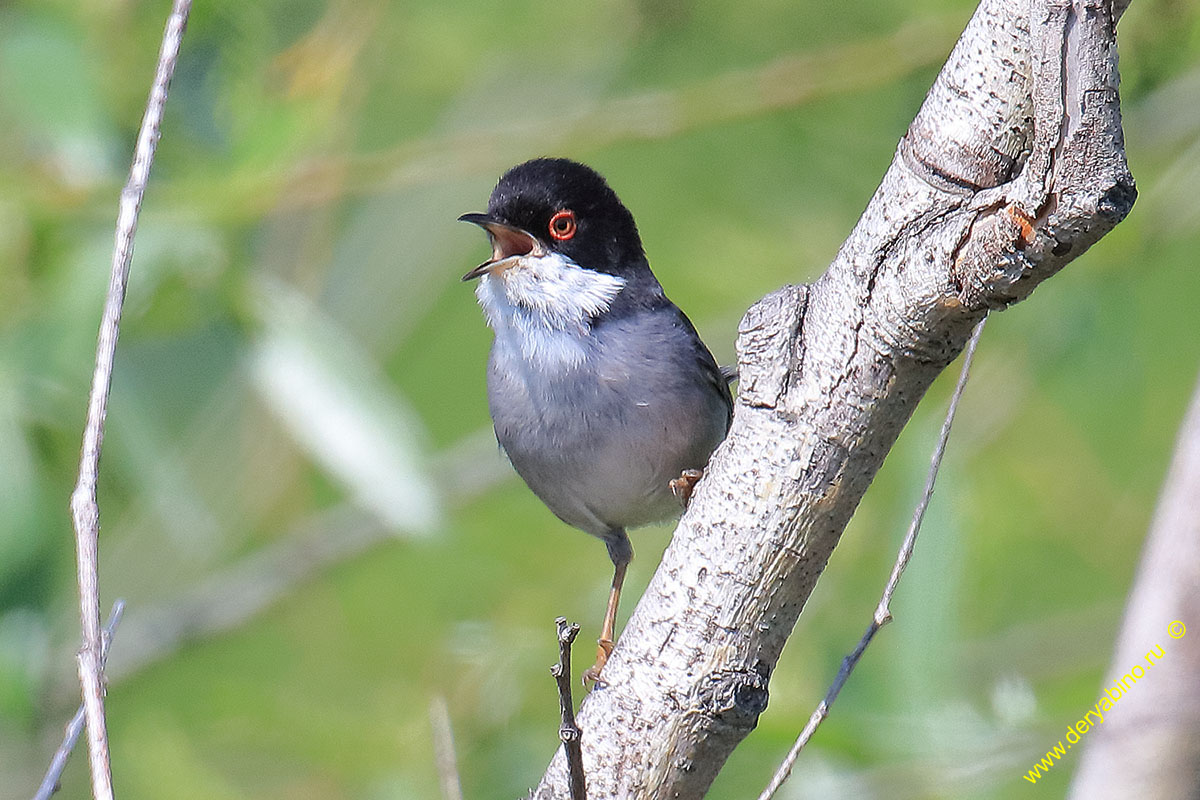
(562, 225)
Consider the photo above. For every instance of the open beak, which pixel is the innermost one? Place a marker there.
(508, 243)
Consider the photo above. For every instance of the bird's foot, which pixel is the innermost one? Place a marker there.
(683, 486)
(603, 651)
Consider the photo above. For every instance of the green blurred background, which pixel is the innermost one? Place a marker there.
(301, 501)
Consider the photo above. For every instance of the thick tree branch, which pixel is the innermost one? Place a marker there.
(85, 511)
(883, 611)
(1014, 166)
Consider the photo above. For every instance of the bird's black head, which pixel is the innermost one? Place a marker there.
(563, 206)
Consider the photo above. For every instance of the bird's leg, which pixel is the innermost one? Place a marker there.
(683, 486)
(621, 554)
(605, 643)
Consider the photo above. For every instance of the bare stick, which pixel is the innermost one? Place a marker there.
(443, 749)
(57, 764)
(883, 614)
(84, 510)
(569, 732)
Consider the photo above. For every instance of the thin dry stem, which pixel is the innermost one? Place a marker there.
(85, 511)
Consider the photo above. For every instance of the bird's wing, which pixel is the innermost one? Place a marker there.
(713, 374)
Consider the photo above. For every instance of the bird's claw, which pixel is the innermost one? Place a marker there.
(603, 651)
(683, 486)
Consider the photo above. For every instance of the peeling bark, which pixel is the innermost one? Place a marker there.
(1013, 167)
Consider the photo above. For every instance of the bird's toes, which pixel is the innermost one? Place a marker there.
(592, 673)
(683, 486)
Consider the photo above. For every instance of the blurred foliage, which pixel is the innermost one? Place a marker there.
(300, 501)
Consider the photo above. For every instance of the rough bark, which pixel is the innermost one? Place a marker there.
(1149, 742)
(1014, 166)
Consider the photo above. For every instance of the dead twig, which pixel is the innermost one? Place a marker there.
(569, 732)
(84, 510)
(49, 783)
(883, 614)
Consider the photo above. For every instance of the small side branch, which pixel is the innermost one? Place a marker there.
(49, 783)
(85, 511)
(883, 613)
(568, 731)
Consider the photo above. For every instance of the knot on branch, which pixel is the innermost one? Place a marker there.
(1117, 201)
(992, 259)
(1006, 252)
(735, 697)
(769, 347)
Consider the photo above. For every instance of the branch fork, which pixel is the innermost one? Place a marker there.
(85, 511)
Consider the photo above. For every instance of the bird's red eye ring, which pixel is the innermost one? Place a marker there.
(562, 225)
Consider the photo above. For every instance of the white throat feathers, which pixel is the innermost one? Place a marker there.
(542, 307)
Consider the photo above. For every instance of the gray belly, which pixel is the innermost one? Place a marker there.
(599, 443)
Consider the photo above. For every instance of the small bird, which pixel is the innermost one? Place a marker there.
(602, 394)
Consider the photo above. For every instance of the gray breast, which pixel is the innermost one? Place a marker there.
(599, 441)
